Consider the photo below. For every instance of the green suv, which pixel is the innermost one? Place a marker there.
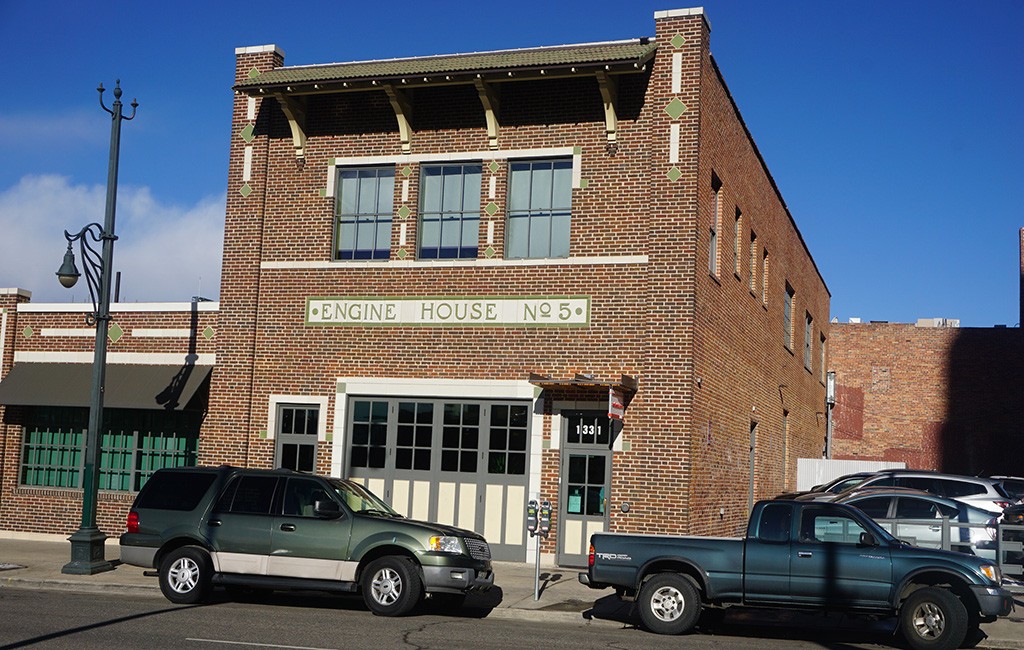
(278, 529)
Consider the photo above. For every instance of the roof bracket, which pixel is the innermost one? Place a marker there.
(295, 110)
(403, 113)
(489, 98)
(609, 96)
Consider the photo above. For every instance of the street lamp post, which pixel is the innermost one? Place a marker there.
(87, 552)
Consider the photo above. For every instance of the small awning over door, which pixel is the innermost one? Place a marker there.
(127, 386)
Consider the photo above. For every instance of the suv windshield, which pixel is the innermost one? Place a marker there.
(361, 500)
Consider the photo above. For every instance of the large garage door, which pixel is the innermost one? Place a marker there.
(464, 463)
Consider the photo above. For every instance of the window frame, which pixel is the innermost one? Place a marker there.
(381, 216)
(533, 216)
(469, 211)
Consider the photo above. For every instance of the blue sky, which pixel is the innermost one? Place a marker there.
(893, 129)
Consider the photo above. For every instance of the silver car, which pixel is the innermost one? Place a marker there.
(919, 518)
(985, 493)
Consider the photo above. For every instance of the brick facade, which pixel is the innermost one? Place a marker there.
(59, 333)
(947, 399)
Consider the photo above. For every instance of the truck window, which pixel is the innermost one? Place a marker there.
(821, 525)
(248, 495)
(775, 523)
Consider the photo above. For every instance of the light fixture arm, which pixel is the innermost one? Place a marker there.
(93, 262)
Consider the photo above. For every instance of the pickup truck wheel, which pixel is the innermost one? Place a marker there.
(933, 619)
(392, 586)
(669, 604)
(185, 575)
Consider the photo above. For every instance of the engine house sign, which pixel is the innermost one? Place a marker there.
(548, 311)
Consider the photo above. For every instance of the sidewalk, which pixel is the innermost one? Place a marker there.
(35, 561)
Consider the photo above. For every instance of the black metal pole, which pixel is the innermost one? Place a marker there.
(87, 543)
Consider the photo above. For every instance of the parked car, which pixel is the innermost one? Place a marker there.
(834, 486)
(1013, 531)
(1014, 485)
(918, 519)
(278, 529)
(985, 493)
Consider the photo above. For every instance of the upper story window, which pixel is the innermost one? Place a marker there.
(808, 328)
(363, 213)
(753, 261)
(449, 211)
(764, 277)
(737, 244)
(539, 209)
(716, 218)
(787, 317)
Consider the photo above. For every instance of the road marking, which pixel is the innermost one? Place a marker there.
(257, 645)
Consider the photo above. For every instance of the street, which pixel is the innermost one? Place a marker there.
(59, 619)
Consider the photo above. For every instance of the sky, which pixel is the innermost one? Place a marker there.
(893, 128)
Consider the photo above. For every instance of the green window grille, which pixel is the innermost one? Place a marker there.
(134, 444)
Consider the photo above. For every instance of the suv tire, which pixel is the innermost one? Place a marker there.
(392, 586)
(185, 575)
(669, 604)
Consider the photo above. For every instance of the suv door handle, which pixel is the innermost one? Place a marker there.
(288, 527)
(215, 522)
(804, 554)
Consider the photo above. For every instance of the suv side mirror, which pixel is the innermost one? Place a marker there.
(867, 539)
(327, 509)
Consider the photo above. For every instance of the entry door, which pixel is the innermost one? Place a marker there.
(585, 480)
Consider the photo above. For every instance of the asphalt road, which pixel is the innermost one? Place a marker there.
(59, 619)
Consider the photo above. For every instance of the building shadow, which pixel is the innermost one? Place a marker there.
(983, 430)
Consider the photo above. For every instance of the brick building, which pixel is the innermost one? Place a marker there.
(440, 274)
(157, 385)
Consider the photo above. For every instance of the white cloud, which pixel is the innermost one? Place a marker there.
(164, 252)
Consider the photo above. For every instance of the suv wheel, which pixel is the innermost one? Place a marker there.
(392, 586)
(185, 575)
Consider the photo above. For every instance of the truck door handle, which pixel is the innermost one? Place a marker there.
(214, 523)
(804, 554)
(288, 528)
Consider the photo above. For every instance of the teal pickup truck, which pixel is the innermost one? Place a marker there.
(803, 555)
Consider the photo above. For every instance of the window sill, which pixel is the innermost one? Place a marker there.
(715, 278)
(72, 493)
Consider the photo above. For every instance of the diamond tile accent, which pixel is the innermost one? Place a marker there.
(678, 41)
(114, 332)
(490, 252)
(584, 183)
(577, 150)
(246, 190)
(494, 167)
(208, 333)
(253, 73)
(248, 133)
(323, 192)
(27, 332)
(403, 212)
(406, 170)
(674, 174)
(675, 108)
(491, 208)
(402, 254)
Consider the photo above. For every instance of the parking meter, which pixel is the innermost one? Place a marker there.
(544, 522)
(531, 517)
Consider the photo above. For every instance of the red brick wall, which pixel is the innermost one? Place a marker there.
(947, 399)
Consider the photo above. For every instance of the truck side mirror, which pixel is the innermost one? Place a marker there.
(327, 509)
(867, 539)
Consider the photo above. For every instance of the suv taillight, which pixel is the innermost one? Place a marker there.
(1003, 504)
(590, 556)
(133, 522)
